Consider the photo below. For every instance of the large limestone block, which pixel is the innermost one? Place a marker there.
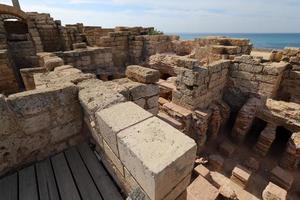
(64, 74)
(119, 117)
(94, 96)
(41, 100)
(142, 74)
(53, 62)
(157, 155)
(136, 90)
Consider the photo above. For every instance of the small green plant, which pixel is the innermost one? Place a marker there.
(155, 32)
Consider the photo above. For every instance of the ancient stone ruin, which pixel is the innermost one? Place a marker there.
(169, 119)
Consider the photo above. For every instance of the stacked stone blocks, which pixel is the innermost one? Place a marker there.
(147, 147)
(8, 82)
(38, 123)
(250, 75)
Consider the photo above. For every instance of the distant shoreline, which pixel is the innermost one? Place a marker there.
(267, 41)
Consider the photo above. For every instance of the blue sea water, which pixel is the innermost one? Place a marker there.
(259, 40)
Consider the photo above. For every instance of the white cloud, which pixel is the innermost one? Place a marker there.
(178, 15)
(7, 2)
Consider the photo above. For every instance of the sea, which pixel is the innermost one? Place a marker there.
(259, 40)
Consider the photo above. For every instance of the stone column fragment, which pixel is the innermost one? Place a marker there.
(245, 119)
(265, 140)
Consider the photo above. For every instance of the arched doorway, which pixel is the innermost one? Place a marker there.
(17, 41)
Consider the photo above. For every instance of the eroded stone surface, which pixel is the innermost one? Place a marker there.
(142, 74)
(94, 96)
(202, 189)
(117, 118)
(157, 155)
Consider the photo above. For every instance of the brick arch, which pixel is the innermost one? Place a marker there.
(12, 11)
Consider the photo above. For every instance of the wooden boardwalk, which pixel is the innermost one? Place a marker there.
(75, 174)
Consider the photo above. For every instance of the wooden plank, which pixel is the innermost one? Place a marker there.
(105, 185)
(64, 179)
(46, 181)
(27, 184)
(9, 187)
(84, 181)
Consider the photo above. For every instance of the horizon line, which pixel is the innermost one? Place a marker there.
(234, 32)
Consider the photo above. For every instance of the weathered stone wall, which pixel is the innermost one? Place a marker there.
(290, 85)
(183, 47)
(38, 123)
(8, 81)
(49, 31)
(198, 87)
(144, 95)
(71, 34)
(129, 45)
(130, 140)
(60, 75)
(143, 46)
(210, 49)
(23, 53)
(106, 114)
(94, 33)
(20, 46)
(34, 33)
(250, 75)
(119, 43)
(96, 60)
(3, 42)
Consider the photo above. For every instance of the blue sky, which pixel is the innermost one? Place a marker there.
(208, 16)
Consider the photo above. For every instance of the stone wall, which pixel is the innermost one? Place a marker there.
(250, 75)
(34, 33)
(290, 85)
(196, 86)
(106, 113)
(23, 53)
(3, 42)
(129, 45)
(38, 123)
(20, 44)
(8, 81)
(144, 94)
(96, 60)
(48, 30)
(213, 48)
(141, 152)
(94, 33)
(72, 34)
